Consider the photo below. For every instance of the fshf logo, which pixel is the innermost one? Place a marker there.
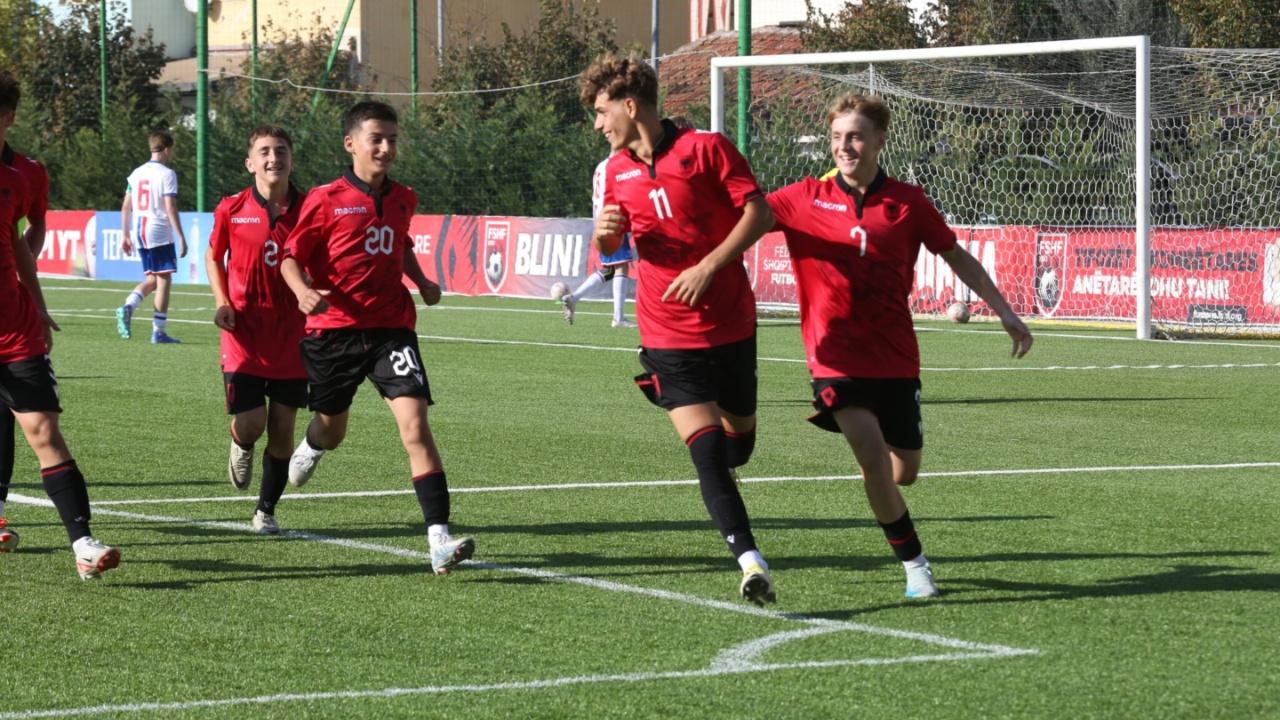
(1051, 270)
(495, 251)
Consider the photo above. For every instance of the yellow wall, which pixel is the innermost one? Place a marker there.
(231, 21)
(382, 28)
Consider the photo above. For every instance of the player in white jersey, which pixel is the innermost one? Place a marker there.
(612, 267)
(149, 216)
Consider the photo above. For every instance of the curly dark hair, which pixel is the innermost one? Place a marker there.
(620, 76)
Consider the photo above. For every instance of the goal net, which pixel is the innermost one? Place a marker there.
(1096, 181)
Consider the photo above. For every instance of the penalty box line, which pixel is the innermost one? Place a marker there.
(737, 660)
(670, 483)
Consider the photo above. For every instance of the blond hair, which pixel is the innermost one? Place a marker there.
(870, 107)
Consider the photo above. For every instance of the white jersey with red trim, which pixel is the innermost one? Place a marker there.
(149, 185)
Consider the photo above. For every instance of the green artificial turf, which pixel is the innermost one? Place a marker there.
(1088, 569)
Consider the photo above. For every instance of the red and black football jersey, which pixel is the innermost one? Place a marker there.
(21, 331)
(854, 259)
(351, 240)
(678, 210)
(269, 325)
(37, 180)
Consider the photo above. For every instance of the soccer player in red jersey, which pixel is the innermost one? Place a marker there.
(29, 388)
(36, 185)
(353, 241)
(854, 240)
(259, 318)
(692, 206)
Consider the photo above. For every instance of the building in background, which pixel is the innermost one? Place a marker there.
(378, 31)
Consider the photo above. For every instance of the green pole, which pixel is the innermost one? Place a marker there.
(102, 63)
(253, 64)
(744, 79)
(333, 54)
(413, 52)
(202, 100)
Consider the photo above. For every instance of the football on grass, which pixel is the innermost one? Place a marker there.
(958, 312)
(559, 290)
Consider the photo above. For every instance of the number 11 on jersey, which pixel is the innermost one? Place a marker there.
(660, 204)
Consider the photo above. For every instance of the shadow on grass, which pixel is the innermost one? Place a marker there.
(1175, 578)
(642, 527)
(211, 572)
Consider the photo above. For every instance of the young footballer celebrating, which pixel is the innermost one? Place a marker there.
(854, 240)
(263, 376)
(29, 388)
(692, 206)
(36, 183)
(353, 241)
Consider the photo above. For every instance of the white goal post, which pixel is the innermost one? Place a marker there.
(1042, 156)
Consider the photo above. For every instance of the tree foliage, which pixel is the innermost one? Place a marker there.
(525, 151)
(984, 22)
(1230, 23)
(869, 25)
(64, 80)
(313, 119)
(18, 45)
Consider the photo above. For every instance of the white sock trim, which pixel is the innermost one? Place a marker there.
(919, 562)
(751, 557)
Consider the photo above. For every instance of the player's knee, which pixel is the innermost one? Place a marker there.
(905, 477)
(326, 434)
(42, 433)
(248, 427)
(607, 274)
(414, 431)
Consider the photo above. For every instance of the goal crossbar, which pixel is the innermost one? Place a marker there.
(1139, 44)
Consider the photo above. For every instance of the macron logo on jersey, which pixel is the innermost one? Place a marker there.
(359, 210)
(830, 206)
(245, 220)
(627, 175)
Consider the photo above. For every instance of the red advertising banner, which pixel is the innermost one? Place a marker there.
(1200, 276)
(68, 244)
(516, 256)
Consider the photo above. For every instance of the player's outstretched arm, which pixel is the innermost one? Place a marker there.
(310, 301)
(971, 273)
(756, 220)
(429, 290)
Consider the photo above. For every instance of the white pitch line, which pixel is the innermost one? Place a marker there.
(444, 689)
(1073, 336)
(57, 314)
(668, 483)
(609, 585)
(736, 661)
(1117, 338)
(117, 291)
(579, 346)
